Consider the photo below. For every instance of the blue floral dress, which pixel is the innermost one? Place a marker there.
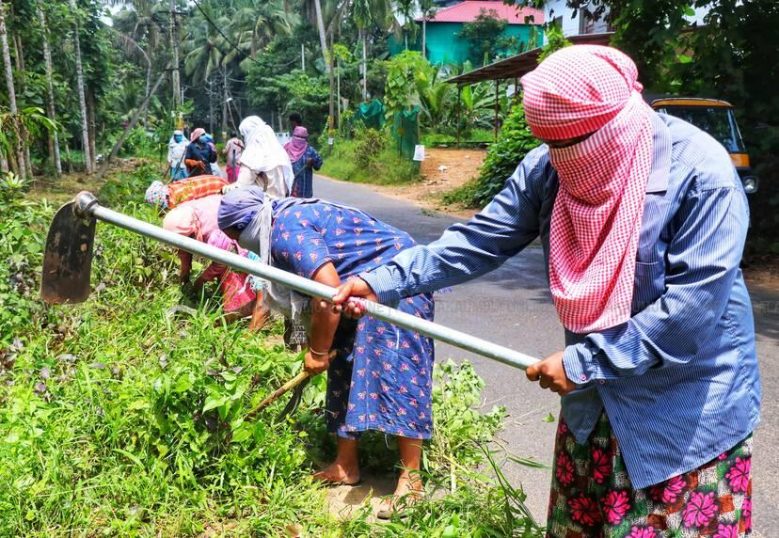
(303, 185)
(381, 377)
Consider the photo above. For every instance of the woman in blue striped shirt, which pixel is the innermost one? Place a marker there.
(642, 219)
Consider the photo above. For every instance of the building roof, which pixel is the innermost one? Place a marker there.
(468, 10)
(516, 66)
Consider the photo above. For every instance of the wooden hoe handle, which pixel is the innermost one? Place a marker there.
(279, 392)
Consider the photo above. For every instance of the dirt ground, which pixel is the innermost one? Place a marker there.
(66, 187)
(443, 170)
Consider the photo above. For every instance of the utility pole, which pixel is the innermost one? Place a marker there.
(225, 101)
(174, 45)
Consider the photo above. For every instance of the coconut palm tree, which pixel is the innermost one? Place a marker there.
(256, 22)
(366, 13)
(206, 46)
(428, 10)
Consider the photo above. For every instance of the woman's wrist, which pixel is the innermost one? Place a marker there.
(318, 353)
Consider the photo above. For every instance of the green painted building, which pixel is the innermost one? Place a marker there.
(443, 44)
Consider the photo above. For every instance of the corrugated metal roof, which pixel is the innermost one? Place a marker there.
(468, 11)
(516, 66)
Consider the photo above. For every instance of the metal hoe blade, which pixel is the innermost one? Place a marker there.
(294, 400)
(67, 260)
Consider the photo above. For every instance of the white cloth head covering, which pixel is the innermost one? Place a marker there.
(176, 150)
(263, 153)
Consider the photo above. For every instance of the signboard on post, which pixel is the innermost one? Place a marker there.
(419, 153)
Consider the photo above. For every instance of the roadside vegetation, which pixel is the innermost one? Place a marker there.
(123, 416)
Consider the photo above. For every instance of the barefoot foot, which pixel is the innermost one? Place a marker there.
(338, 475)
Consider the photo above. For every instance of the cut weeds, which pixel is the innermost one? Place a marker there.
(118, 419)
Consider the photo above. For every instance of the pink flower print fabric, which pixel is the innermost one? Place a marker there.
(591, 493)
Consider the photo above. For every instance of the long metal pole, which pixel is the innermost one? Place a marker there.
(88, 204)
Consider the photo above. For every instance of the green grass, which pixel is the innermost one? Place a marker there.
(463, 196)
(118, 418)
(474, 136)
(348, 162)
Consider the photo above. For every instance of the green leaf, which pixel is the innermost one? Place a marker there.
(212, 402)
(241, 434)
(138, 404)
(549, 418)
(184, 382)
(132, 457)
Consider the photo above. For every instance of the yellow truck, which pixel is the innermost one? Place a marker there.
(716, 118)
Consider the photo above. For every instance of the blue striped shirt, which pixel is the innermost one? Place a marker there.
(679, 381)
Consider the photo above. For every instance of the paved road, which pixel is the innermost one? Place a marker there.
(512, 306)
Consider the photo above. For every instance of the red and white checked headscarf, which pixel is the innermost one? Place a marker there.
(596, 219)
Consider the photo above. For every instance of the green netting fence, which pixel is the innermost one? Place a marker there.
(371, 115)
(405, 131)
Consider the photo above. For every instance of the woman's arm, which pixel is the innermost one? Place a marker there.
(186, 266)
(212, 272)
(315, 159)
(245, 176)
(324, 322)
(465, 251)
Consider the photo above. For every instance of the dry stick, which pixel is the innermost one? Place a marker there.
(130, 126)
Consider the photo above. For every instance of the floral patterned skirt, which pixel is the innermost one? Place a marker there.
(592, 496)
(382, 377)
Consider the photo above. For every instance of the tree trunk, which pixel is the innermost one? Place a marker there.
(91, 113)
(328, 63)
(21, 67)
(424, 35)
(19, 168)
(174, 45)
(27, 159)
(130, 126)
(54, 144)
(364, 65)
(338, 90)
(332, 81)
(82, 100)
(210, 105)
(19, 48)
